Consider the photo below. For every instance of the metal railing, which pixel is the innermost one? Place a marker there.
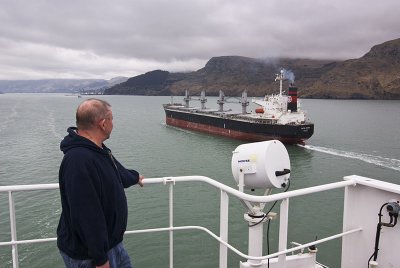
(222, 238)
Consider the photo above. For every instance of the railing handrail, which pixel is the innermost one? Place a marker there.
(234, 192)
(254, 198)
(29, 187)
(351, 180)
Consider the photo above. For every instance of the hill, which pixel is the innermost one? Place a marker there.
(373, 76)
(151, 83)
(232, 74)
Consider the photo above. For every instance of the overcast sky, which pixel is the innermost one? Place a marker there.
(42, 39)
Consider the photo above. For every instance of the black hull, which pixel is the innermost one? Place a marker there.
(238, 128)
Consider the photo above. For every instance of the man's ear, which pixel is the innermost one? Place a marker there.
(102, 124)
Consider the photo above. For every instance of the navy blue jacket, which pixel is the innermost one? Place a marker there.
(94, 207)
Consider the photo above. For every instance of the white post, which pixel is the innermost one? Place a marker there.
(223, 230)
(255, 242)
(284, 210)
(256, 226)
(13, 230)
(171, 224)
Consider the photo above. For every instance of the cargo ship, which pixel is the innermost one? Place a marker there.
(277, 117)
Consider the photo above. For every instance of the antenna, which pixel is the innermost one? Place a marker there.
(280, 77)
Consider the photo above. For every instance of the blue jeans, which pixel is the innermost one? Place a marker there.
(117, 256)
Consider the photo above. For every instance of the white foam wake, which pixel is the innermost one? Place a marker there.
(391, 163)
(10, 118)
(52, 125)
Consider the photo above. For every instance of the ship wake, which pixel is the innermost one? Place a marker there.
(381, 161)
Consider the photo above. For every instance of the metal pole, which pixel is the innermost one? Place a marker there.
(256, 226)
(13, 230)
(255, 243)
(284, 210)
(171, 224)
(223, 229)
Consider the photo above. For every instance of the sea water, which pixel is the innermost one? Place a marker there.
(351, 137)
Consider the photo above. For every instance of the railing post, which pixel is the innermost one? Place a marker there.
(223, 229)
(283, 227)
(13, 230)
(171, 224)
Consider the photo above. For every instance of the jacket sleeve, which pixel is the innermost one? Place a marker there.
(129, 177)
(83, 192)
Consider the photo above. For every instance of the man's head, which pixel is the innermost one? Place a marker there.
(95, 115)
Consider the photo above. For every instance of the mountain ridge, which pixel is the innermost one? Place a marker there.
(372, 76)
(59, 85)
(375, 75)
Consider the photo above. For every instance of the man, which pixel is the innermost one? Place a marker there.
(94, 207)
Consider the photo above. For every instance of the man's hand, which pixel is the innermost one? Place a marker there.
(106, 265)
(140, 182)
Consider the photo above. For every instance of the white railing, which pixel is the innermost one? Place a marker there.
(224, 205)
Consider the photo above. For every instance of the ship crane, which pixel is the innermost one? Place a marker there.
(243, 100)
(221, 100)
(202, 99)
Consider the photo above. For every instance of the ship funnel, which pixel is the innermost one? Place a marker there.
(261, 165)
(292, 103)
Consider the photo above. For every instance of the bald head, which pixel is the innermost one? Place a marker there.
(90, 112)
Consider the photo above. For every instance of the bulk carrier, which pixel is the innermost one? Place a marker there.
(278, 117)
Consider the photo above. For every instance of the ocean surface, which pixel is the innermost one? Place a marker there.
(351, 137)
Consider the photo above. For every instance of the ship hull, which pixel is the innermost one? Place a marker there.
(239, 129)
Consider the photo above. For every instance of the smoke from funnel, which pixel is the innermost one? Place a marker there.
(289, 75)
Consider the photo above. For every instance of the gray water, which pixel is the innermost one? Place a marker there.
(351, 137)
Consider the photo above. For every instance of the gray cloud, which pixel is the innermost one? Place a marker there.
(103, 39)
